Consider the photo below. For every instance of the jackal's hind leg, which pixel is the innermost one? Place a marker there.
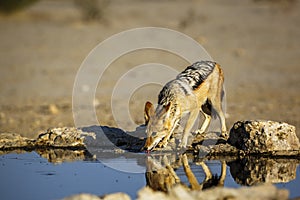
(205, 124)
(217, 107)
(221, 116)
(224, 132)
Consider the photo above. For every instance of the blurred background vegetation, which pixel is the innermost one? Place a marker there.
(91, 10)
(12, 6)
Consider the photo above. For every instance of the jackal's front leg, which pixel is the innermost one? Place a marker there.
(189, 124)
(164, 142)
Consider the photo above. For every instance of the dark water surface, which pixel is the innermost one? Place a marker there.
(30, 176)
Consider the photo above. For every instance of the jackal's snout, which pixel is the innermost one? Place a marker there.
(147, 145)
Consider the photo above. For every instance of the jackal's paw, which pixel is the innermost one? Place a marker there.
(224, 135)
(199, 132)
(182, 145)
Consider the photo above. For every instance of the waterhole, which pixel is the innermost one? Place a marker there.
(33, 175)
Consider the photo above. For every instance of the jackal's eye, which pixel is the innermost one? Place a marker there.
(154, 134)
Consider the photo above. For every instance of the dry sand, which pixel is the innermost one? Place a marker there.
(256, 42)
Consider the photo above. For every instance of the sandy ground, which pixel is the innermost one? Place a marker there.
(256, 42)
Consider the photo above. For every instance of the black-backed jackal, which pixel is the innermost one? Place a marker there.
(199, 88)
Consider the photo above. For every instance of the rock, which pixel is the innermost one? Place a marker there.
(116, 196)
(179, 192)
(216, 150)
(66, 137)
(13, 140)
(83, 197)
(264, 137)
(223, 149)
(209, 138)
(63, 137)
(262, 192)
(147, 193)
(202, 150)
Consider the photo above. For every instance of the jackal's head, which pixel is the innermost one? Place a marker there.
(158, 124)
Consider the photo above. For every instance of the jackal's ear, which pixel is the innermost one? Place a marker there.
(148, 112)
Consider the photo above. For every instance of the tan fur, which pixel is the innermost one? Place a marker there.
(162, 121)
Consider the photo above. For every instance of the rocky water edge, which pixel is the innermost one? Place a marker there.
(264, 147)
(263, 192)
